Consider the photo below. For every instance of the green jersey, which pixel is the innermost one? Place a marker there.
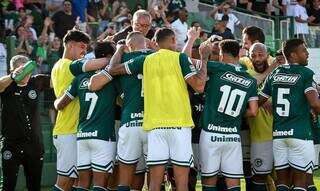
(131, 87)
(287, 86)
(97, 109)
(228, 91)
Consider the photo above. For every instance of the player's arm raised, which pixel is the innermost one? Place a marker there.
(116, 68)
(193, 34)
(198, 81)
(99, 80)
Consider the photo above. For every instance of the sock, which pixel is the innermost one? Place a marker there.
(123, 188)
(259, 186)
(312, 188)
(163, 187)
(298, 189)
(209, 188)
(282, 187)
(235, 188)
(56, 188)
(80, 189)
(73, 188)
(249, 184)
(99, 188)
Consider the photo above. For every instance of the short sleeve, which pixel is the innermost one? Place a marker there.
(254, 91)
(188, 69)
(78, 66)
(266, 90)
(135, 65)
(308, 81)
(72, 89)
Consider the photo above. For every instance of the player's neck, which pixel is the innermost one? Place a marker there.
(67, 55)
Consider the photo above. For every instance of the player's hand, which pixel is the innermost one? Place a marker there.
(121, 47)
(47, 21)
(205, 50)
(17, 71)
(194, 33)
(151, 44)
(268, 106)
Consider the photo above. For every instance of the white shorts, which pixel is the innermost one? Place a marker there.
(220, 153)
(245, 144)
(66, 146)
(262, 157)
(96, 154)
(295, 153)
(132, 144)
(196, 156)
(317, 153)
(172, 144)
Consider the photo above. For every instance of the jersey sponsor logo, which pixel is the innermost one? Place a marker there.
(87, 134)
(290, 79)
(224, 138)
(84, 84)
(283, 133)
(134, 123)
(136, 115)
(7, 155)
(212, 127)
(199, 107)
(236, 79)
(32, 94)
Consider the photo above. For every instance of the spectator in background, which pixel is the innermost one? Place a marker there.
(176, 5)
(23, 46)
(225, 9)
(220, 29)
(288, 7)
(301, 28)
(79, 9)
(242, 4)
(260, 6)
(124, 14)
(27, 23)
(314, 13)
(105, 14)
(180, 28)
(60, 28)
(109, 31)
(54, 6)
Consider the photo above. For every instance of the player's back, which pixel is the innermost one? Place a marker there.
(287, 86)
(97, 109)
(228, 91)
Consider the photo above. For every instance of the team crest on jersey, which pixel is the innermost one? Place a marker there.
(290, 79)
(7, 155)
(236, 79)
(32, 94)
(258, 162)
(84, 84)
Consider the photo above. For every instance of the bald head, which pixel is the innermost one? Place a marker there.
(258, 54)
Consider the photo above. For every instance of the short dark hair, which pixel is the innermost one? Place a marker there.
(77, 36)
(104, 49)
(162, 34)
(67, 1)
(231, 47)
(291, 46)
(254, 33)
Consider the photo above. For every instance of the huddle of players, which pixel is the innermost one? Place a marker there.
(230, 94)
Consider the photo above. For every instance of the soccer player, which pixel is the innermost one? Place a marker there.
(261, 154)
(132, 142)
(293, 95)
(64, 132)
(231, 93)
(96, 144)
(167, 111)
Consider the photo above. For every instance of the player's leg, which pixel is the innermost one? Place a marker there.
(181, 156)
(10, 166)
(129, 151)
(261, 164)
(209, 168)
(281, 164)
(246, 144)
(102, 157)
(114, 178)
(231, 161)
(310, 183)
(311, 186)
(139, 176)
(158, 156)
(66, 146)
(33, 163)
(301, 158)
(84, 164)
